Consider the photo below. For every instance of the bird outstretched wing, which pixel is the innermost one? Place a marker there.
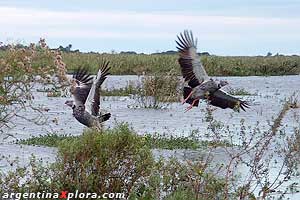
(92, 105)
(81, 85)
(223, 100)
(192, 70)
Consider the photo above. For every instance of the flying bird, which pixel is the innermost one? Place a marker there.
(86, 94)
(198, 85)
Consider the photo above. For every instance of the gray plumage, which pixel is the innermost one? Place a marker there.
(87, 119)
(198, 85)
(86, 94)
(191, 67)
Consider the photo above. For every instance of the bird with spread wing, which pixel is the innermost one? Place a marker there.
(86, 94)
(198, 85)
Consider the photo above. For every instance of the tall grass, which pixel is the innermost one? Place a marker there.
(124, 64)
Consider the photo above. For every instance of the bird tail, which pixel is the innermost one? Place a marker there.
(186, 92)
(104, 117)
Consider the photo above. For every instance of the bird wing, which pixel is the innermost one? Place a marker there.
(223, 100)
(81, 85)
(192, 70)
(92, 105)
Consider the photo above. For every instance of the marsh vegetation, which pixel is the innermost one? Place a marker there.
(138, 64)
(225, 155)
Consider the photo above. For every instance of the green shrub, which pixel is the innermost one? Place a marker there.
(172, 179)
(112, 161)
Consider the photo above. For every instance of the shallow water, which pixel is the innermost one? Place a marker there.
(266, 103)
(270, 93)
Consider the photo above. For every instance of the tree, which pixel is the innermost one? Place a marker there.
(21, 69)
(68, 48)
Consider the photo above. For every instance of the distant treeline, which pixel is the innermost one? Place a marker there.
(170, 52)
(68, 49)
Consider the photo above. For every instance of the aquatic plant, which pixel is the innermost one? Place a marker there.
(158, 91)
(239, 92)
(126, 91)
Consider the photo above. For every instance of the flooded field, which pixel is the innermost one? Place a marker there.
(267, 97)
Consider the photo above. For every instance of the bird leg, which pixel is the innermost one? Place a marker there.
(187, 97)
(191, 106)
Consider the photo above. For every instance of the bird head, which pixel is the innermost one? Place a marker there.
(222, 83)
(70, 103)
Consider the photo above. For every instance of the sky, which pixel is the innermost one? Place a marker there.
(231, 27)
